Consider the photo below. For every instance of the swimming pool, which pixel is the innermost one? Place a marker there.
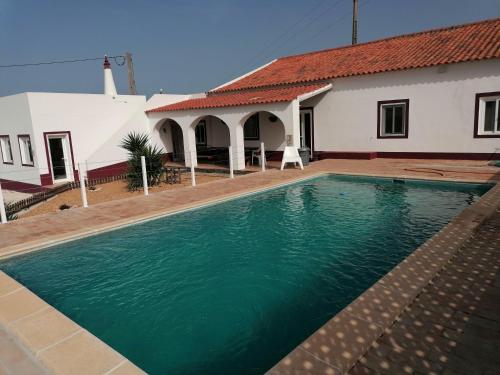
(233, 287)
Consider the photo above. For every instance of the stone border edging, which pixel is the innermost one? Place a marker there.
(36, 245)
(375, 317)
(343, 340)
(58, 343)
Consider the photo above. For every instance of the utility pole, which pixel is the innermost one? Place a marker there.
(131, 80)
(355, 22)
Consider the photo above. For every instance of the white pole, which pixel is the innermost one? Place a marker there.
(262, 157)
(82, 186)
(231, 172)
(144, 175)
(193, 177)
(3, 214)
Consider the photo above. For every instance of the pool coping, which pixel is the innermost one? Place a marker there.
(59, 344)
(25, 315)
(33, 246)
(336, 346)
(67, 348)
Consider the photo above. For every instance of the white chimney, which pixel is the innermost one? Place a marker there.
(109, 83)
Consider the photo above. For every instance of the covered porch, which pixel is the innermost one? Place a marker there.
(200, 131)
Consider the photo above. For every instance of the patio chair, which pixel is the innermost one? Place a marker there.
(291, 155)
(256, 155)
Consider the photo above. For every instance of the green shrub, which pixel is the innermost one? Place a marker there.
(9, 210)
(138, 145)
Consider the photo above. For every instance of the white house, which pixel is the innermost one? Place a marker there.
(44, 136)
(433, 94)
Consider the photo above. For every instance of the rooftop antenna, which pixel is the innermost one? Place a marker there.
(131, 80)
(355, 22)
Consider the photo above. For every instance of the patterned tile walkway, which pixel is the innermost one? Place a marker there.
(453, 326)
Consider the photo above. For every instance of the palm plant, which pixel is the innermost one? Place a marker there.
(137, 145)
(134, 142)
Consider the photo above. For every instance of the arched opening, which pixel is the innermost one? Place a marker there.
(212, 140)
(170, 133)
(263, 127)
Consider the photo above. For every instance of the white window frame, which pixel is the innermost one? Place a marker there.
(6, 149)
(482, 114)
(68, 162)
(26, 150)
(383, 107)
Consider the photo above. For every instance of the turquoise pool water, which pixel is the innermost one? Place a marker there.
(233, 287)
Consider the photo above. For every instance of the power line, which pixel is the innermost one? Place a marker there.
(290, 28)
(115, 58)
(311, 21)
(334, 23)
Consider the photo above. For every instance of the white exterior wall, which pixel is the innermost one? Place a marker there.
(217, 133)
(271, 133)
(158, 137)
(15, 119)
(234, 117)
(441, 110)
(94, 120)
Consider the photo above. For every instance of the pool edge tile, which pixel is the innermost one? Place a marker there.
(8, 284)
(19, 304)
(44, 328)
(20, 314)
(81, 353)
(125, 368)
(301, 362)
(342, 340)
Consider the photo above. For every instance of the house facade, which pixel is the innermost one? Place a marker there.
(433, 94)
(44, 137)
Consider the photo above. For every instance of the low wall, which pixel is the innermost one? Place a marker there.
(368, 155)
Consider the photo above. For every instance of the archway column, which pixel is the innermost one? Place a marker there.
(291, 121)
(295, 123)
(238, 144)
(190, 145)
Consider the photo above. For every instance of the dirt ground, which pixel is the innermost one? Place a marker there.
(108, 192)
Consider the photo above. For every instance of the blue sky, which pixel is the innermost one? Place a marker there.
(188, 46)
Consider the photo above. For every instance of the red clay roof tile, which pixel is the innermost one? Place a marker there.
(239, 98)
(475, 41)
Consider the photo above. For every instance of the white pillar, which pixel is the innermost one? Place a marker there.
(144, 175)
(262, 157)
(193, 176)
(82, 186)
(295, 125)
(3, 214)
(231, 172)
(189, 140)
(238, 144)
(291, 121)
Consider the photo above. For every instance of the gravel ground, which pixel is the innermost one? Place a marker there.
(14, 196)
(108, 192)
